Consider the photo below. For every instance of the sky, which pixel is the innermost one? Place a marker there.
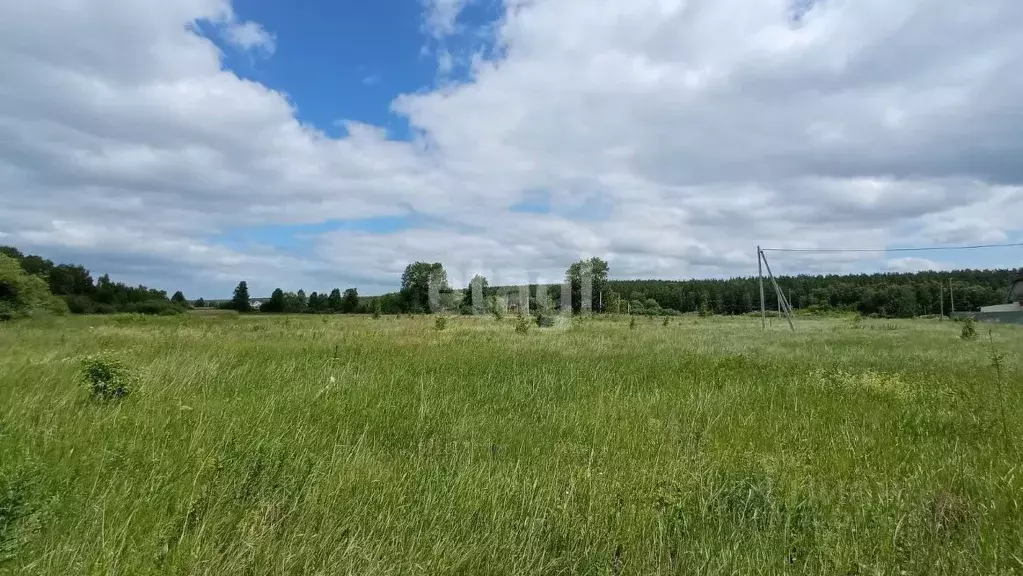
(315, 144)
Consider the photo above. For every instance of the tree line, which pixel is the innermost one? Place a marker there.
(890, 295)
(281, 302)
(587, 286)
(28, 281)
(29, 278)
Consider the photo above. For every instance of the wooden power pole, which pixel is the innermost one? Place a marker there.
(760, 274)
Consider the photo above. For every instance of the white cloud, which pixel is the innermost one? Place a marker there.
(672, 136)
(441, 16)
(249, 36)
(912, 265)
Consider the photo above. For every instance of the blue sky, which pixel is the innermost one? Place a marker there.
(348, 61)
(342, 60)
(313, 144)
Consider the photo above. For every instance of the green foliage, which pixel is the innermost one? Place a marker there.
(294, 302)
(522, 324)
(475, 297)
(75, 286)
(240, 300)
(107, 378)
(23, 294)
(200, 303)
(546, 319)
(276, 304)
(179, 299)
(496, 308)
(666, 321)
(350, 301)
(595, 271)
(892, 295)
(130, 319)
(335, 301)
(282, 302)
(417, 282)
(376, 310)
(705, 311)
(16, 509)
(969, 331)
(441, 322)
(317, 303)
(632, 323)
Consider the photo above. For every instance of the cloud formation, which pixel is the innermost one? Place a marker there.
(249, 36)
(670, 136)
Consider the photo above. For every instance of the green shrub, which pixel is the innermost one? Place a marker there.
(546, 319)
(23, 294)
(632, 323)
(130, 318)
(153, 308)
(107, 378)
(103, 308)
(969, 331)
(522, 324)
(441, 323)
(495, 309)
(666, 321)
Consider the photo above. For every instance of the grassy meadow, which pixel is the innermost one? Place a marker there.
(347, 445)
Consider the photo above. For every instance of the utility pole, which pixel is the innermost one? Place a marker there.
(941, 299)
(760, 274)
(778, 291)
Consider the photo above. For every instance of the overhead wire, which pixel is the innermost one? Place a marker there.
(880, 250)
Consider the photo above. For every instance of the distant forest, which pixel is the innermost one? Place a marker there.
(902, 295)
(74, 284)
(885, 295)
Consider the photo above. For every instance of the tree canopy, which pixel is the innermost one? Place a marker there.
(589, 282)
(74, 285)
(350, 301)
(240, 300)
(417, 283)
(424, 288)
(23, 294)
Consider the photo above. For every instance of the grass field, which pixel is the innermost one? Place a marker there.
(313, 445)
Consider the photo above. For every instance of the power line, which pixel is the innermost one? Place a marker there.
(923, 249)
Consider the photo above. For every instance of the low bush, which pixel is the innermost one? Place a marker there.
(522, 324)
(546, 319)
(969, 331)
(107, 378)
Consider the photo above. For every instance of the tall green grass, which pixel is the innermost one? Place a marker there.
(309, 445)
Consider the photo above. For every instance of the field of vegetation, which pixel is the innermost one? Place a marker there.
(348, 445)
